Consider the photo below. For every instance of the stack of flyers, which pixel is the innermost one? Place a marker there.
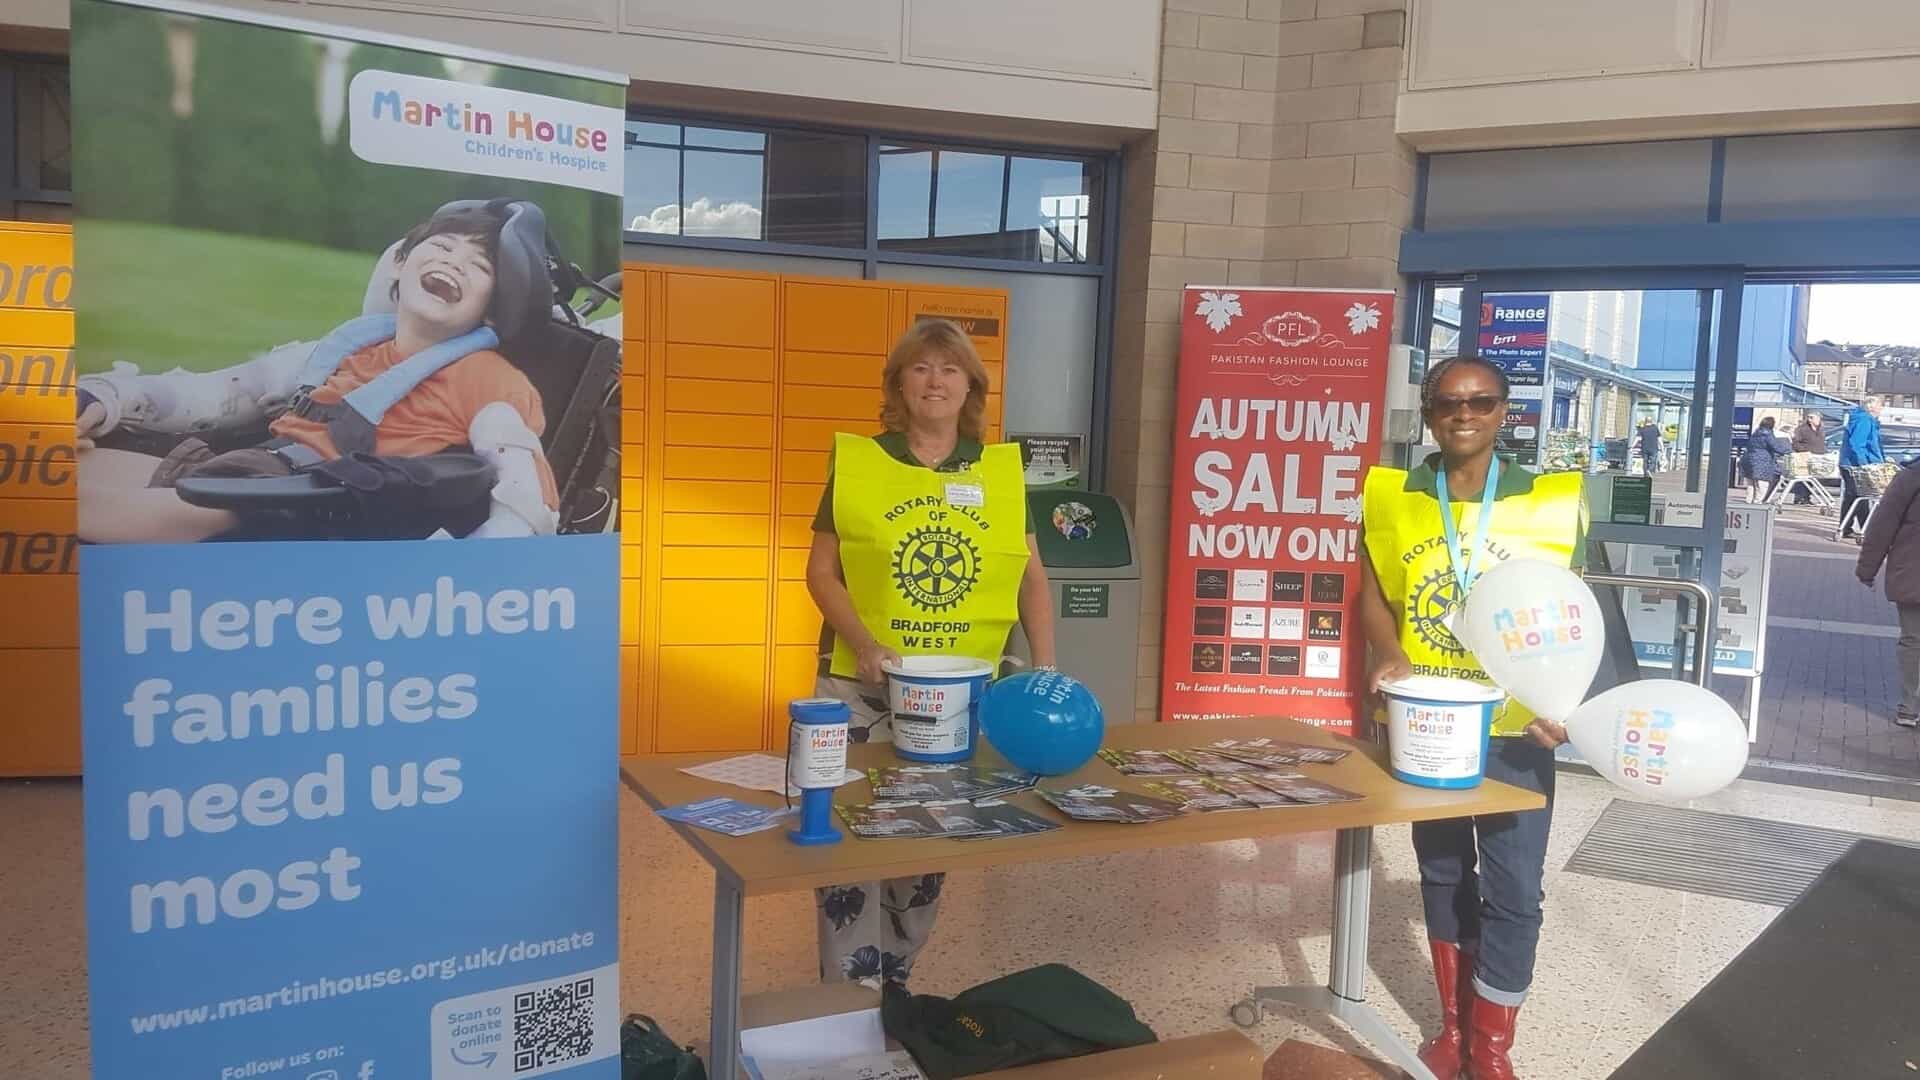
(724, 815)
(1247, 791)
(1145, 762)
(1302, 790)
(918, 783)
(1197, 793)
(889, 821)
(1006, 819)
(1091, 802)
(1276, 754)
(913, 820)
(1210, 763)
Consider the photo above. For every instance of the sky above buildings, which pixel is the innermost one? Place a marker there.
(1865, 314)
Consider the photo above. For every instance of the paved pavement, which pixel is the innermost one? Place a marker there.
(1828, 696)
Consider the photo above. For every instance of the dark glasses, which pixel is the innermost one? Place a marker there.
(1477, 405)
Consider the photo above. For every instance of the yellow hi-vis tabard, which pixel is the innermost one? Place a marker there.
(933, 560)
(1406, 543)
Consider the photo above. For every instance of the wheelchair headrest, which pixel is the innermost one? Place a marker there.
(522, 284)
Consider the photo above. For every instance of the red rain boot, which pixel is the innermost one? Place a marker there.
(1491, 1026)
(1446, 1053)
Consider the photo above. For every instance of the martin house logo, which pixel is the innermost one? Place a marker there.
(462, 127)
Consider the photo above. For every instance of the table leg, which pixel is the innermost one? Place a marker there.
(1345, 995)
(724, 1036)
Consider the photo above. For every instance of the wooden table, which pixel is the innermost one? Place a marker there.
(767, 862)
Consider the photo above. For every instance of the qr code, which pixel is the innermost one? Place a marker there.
(552, 1025)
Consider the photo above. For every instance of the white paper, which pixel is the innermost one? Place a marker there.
(897, 1065)
(813, 1043)
(756, 772)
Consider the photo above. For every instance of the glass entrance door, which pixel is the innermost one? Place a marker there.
(1629, 378)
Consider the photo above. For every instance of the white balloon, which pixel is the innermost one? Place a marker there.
(1537, 629)
(1662, 739)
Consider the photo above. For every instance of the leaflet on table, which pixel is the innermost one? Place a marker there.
(724, 815)
(918, 783)
(1275, 753)
(757, 772)
(1144, 762)
(1302, 790)
(1196, 793)
(912, 820)
(1244, 789)
(1091, 802)
(1247, 791)
(1006, 819)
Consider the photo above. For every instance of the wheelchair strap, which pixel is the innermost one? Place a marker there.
(353, 426)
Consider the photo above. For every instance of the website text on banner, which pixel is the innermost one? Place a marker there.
(346, 442)
(1279, 413)
(1513, 334)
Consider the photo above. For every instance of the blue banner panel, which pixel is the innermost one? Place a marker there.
(351, 809)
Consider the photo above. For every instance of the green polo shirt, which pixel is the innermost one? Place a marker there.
(1513, 480)
(965, 452)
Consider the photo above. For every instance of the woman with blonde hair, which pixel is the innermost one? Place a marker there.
(922, 545)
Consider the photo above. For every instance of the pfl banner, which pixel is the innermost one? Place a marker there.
(345, 420)
(1279, 414)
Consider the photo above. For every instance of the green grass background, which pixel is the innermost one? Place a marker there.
(162, 297)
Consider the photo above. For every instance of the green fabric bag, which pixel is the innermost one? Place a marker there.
(646, 1053)
(1035, 1015)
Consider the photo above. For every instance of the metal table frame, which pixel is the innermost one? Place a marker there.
(1344, 997)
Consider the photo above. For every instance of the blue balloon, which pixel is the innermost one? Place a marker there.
(1044, 722)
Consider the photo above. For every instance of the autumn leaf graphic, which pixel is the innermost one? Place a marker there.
(1362, 318)
(1218, 308)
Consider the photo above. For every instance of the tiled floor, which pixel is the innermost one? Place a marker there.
(1181, 934)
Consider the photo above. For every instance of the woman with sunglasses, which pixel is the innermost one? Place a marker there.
(1428, 533)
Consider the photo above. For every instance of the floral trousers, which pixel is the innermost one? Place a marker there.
(871, 932)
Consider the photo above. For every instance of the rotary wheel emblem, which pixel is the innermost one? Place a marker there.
(936, 568)
(1435, 599)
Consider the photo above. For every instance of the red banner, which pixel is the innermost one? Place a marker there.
(1282, 398)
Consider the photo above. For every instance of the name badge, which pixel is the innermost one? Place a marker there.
(966, 495)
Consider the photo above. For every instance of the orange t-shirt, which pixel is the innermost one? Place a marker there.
(435, 415)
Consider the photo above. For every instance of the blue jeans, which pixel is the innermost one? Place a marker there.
(1480, 877)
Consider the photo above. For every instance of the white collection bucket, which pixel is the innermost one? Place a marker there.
(936, 706)
(1437, 729)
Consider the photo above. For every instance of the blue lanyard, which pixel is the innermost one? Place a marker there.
(1463, 565)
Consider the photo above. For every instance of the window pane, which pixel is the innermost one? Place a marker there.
(906, 192)
(653, 190)
(44, 136)
(817, 189)
(726, 138)
(1050, 212)
(788, 187)
(967, 200)
(1056, 199)
(647, 131)
(723, 195)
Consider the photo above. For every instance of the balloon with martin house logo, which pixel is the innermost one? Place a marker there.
(1536, 629)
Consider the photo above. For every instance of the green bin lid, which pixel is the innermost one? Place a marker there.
(1079, 529)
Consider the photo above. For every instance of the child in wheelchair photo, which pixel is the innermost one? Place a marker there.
(461, 402)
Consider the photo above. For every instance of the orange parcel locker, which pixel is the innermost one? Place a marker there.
(39, 656)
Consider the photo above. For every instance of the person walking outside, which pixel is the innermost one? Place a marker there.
(1860, 445)
(1649, 437)
(1893, 538)
(1480, 877)
(1760, 461)
(919, 523)
(1809, 438)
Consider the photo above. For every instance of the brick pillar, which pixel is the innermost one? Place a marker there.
(1275, 163)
